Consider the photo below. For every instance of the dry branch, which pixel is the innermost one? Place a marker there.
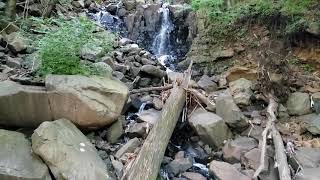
(160, 88)
(281, 158)
(211, 106)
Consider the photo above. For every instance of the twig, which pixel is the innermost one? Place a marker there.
(211, 106)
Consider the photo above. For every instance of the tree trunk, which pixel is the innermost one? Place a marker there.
(11, 9)
(148, 162)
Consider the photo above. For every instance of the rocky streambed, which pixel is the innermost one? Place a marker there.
(80, 127)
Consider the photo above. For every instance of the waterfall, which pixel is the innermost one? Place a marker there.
(161, 43)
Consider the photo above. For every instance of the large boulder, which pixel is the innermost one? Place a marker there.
(17, 160)
(235, 73)
(86, 101)
(67, 152)
(24, 106)
(299, 104)
(210, 127)
(230, 112)
(233, 150)
(241, 91)
(225, 171)
(307, 157)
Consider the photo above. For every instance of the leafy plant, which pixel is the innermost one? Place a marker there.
(307, 67)
(59, 50)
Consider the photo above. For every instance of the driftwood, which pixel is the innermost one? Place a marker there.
(281, 158)
(211, 106)
(160, 88)
(147, 163)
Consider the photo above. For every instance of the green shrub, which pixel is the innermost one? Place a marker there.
(59, 50)
(223, 17)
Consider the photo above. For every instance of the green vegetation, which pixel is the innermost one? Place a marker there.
(59, 49)
(293, 12)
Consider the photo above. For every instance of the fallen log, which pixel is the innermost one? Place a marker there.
(148, 162)
(160, 88)
(281, 158)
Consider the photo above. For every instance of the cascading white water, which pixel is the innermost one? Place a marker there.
(161, 44)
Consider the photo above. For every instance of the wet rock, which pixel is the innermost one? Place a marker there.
(241, 91)
(150, 116)
(210, 127)
(86, 101)
(308, 174)
(16, 42)
(252, 159)
(230, 112)
(313, 125)
(179, 155)
(207, 84)
(13, 62)
(316, 102)
(233, 150)
(193, 176)
(178, 166)
(115, 131)
(129, 147)
(17, 159)
(235, 73)
(138, 130)
(54, 141)
(23, 106)
(225, 171)
(299, 104)
(153, 70)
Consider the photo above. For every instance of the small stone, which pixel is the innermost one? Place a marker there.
(16, 42)
(252, 159)
(145, 61)
(299, 104)
(225, 171)
(108, 60)
(118, 167)
(233, 150)
(241, 91)
(115, 131)
(179, 165)
(138, 130)
(150, 116)
(13, 62)
(179, 155)
(207, 84)
(153, 70)
(125, 41)
(313, 125)
(118, 75)
(129, 147)
(193, 176)
(316, 102)
(103, 69)
(158, 103)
